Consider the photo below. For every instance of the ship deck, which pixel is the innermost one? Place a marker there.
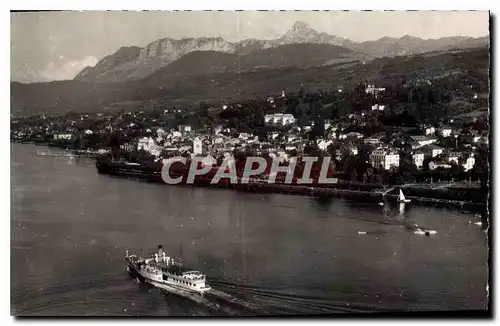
(176, 269)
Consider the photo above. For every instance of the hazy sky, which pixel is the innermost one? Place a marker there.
(57, 45)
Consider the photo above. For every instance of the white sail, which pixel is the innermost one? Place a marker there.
(401, 195)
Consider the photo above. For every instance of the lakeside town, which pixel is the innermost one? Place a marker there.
(450, 150)
(449, 147)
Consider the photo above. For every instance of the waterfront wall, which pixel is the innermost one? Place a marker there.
(461, 198)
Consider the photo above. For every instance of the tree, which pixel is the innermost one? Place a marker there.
(318, 131)
(456, 170)
(312, 150)
(407, 168)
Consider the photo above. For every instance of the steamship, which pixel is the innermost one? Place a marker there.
(164, 272)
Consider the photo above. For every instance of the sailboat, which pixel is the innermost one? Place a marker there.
(402, 198)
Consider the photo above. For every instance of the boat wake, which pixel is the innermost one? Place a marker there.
(258, 300)
(236, 299)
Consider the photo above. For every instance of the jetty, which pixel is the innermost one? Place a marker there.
(54, 154)
(370, 193)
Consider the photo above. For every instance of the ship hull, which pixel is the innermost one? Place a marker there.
(165, 285)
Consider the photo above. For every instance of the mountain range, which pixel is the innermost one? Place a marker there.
(176, 85)
(300, 46)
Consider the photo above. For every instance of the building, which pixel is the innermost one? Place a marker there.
(353, 150)
(429, 130)
(272, 135)
(384, 158)
(184, 128)
(244, 136)
(217, 130)
(419, 141)
(353, 134)
(128, 147)
(418, 159)
(372, 140)
(197, 146)
(160, 132)
(377, 107)
(328, 124)
(469, 163)
(279, 119)
(63, 136)
(323, 144)
(453, 157)
(146, 144)
(371, 89)
(445, 131)
(433, 165)
(268, 119)
(432, 150)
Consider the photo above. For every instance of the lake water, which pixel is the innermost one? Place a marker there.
(273, 254)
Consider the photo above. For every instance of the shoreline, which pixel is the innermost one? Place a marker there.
(294, 189)
(341, 190)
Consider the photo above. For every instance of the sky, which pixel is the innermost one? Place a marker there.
(47, 46)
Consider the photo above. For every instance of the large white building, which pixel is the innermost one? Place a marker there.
(279, 119)
(384, 158)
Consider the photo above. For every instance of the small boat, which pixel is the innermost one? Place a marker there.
(402, 198)
(425, 232)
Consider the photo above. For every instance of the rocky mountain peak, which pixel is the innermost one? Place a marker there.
(301, 30)
(302, 33)
(300, 26)
(130, 63)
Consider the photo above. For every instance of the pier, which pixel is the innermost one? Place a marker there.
(259, 185)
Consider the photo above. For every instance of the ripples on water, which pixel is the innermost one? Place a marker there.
(264, 254)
